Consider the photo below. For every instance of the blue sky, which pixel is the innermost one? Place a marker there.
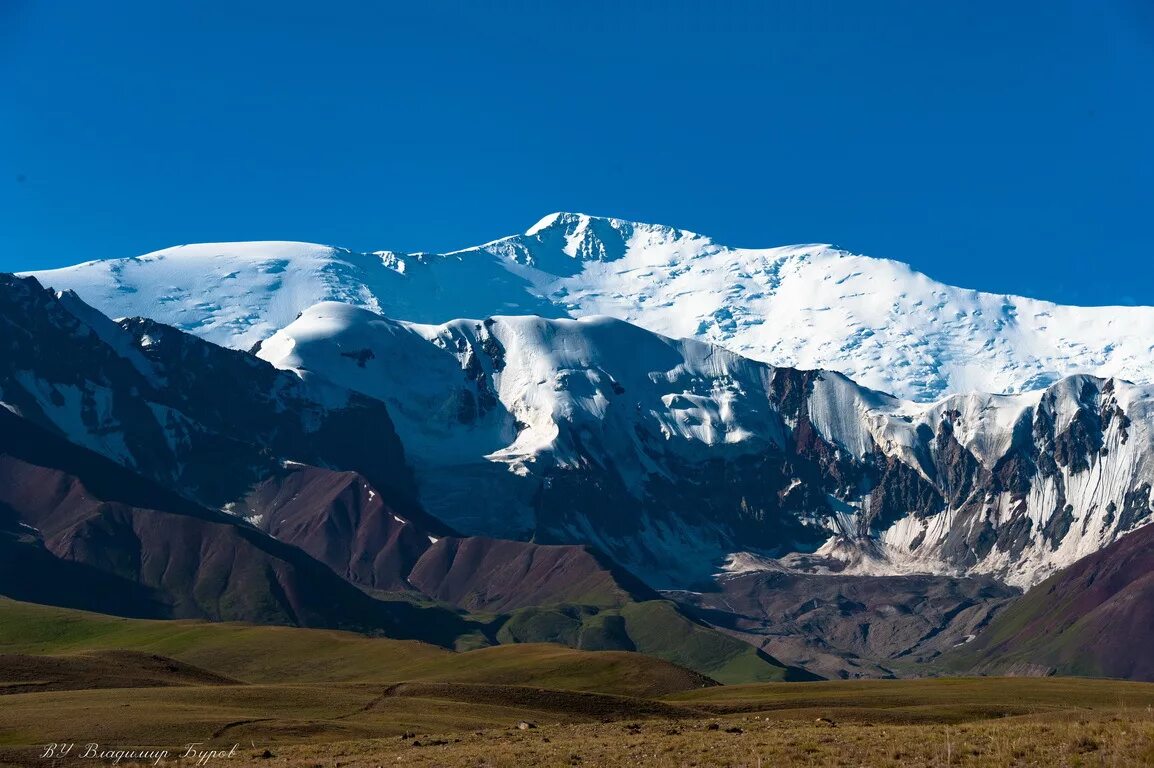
(1002, 146)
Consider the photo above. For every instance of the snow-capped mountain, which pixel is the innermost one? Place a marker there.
(627, 403)
(809, 306)
(676, 456)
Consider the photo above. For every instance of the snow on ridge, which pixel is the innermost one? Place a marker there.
(542, 375)
(878, 321)
(515, 393)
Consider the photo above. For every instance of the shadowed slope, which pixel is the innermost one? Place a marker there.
(492, 575)
(186, 561)
(23, 673)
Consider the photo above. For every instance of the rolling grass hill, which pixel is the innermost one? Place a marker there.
(275, 655)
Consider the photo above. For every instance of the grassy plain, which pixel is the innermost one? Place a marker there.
(291, 697)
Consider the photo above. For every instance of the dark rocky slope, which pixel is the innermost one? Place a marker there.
(340, 519)
(493, 575)
(851, 626)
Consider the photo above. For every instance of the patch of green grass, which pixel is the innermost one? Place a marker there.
(606, 632)
(653, 627)
(657, 628)
(557, 624)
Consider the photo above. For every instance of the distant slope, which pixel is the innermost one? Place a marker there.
(809, 306)
(342, 520)
(497, 576)
(1094, 618)
(26, 673)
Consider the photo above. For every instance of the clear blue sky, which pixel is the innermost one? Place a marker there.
(1003, 146)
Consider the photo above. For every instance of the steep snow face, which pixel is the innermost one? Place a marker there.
(808, 306)
(676, 456)
(1029, 484)
(493, 413)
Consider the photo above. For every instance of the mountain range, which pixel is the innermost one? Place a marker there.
(797, 457)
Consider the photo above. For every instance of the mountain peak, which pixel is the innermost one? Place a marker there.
(554, 219)
(598, 238)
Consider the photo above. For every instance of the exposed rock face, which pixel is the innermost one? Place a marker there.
(1032, 483)
(341, 520)
(1093, 618)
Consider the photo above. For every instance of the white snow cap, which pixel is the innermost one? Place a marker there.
(810, 306)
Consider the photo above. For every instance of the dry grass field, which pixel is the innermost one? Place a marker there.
(948, 722)
(753, 742)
